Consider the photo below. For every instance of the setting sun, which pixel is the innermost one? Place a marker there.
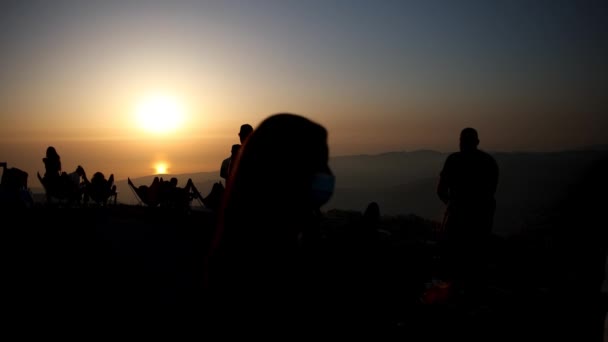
(159, 114)
(161, 168)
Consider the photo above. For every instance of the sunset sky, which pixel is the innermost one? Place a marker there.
(93, 78)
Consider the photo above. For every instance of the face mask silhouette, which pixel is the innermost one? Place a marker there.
(322, 188)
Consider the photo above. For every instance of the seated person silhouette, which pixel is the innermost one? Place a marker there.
(168, 194)
(149, 195)
(78, 181)
(100, 189)
(52, 163)
(60, 184)
(52, 181)
(173, 196)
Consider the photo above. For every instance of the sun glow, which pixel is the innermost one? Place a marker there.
(161, 168)
(159, 114)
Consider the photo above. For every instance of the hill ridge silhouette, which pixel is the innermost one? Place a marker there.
(403, 183)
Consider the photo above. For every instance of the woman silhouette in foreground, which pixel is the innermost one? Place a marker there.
(257, 266)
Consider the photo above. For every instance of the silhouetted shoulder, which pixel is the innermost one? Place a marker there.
(454, 157)
(486, 157)
(451, 161)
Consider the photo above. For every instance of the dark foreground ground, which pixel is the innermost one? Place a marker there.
(134, 271)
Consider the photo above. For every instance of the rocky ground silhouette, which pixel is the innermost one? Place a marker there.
(129, 266)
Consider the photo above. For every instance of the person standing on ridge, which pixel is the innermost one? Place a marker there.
(467, 185)
(226, 166)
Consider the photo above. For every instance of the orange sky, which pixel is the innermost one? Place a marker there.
(380, 77)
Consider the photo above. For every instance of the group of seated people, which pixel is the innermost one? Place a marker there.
(74, 187)
(166, 193)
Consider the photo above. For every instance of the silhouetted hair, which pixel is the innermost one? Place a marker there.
(469, 138)
(278, 161)
(51, 152)
(98, 176)
(52, 162)
(270, 185)
(245, 131)
(265, 223)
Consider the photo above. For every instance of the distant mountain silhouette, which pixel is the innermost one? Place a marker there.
(403, 183)
(531, 183)
(385, 170)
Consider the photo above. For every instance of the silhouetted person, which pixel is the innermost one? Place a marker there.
(78, 182)
(280, 179)
(173, 196)
(78, 177)
(52, 163)
(226, 163)
(149, 195)
(467, 185)
(100, 189)
(58, 183)
(52, 173)
(244, 132)
(167, 191)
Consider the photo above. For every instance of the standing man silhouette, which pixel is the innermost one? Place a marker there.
(226, 166)
(467, 185)
(226, 163)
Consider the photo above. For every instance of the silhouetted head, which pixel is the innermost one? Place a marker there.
(80, 170)
(51, 152)
(282, 168)
(245, 131)
(235, 149)
(98, 177)
(468, 139)
(173, 181)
